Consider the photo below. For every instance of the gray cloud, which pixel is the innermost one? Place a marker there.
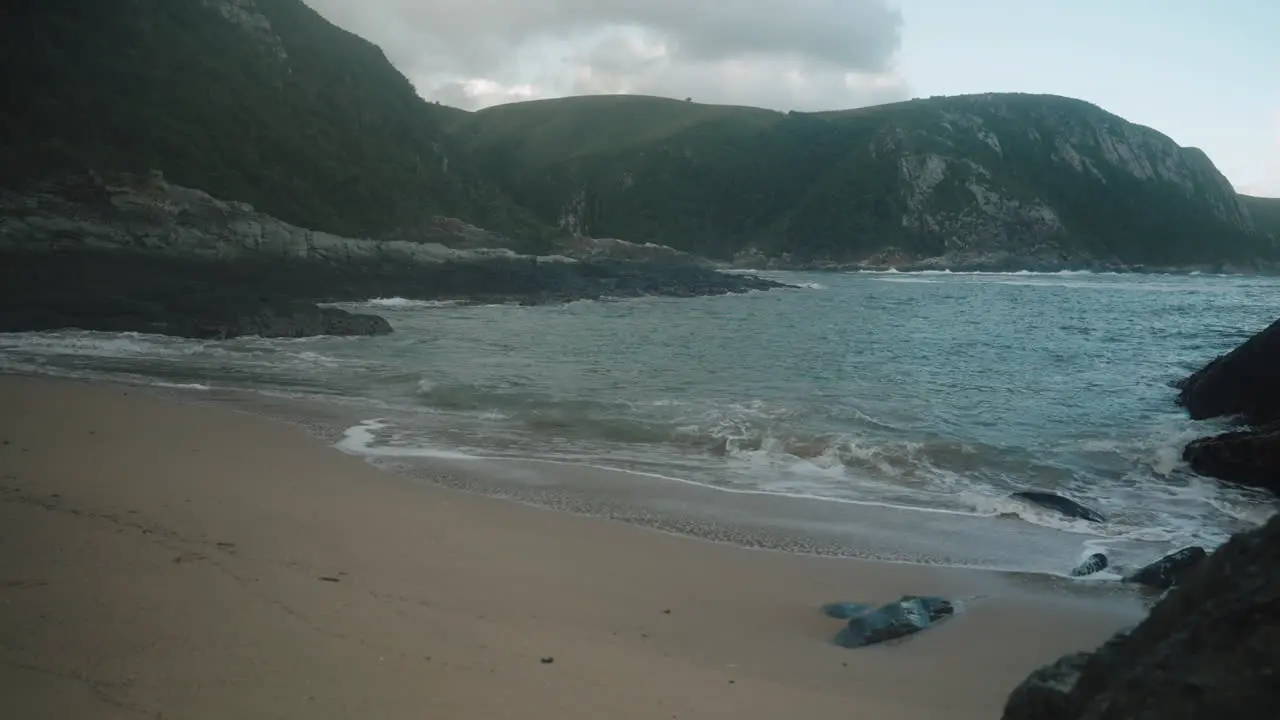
(787, 54)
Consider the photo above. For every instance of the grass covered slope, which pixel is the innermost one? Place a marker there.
(1031, 175)
(261, 101)
(264, 101)
(1266, 214)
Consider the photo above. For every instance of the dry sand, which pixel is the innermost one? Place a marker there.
(161, 559)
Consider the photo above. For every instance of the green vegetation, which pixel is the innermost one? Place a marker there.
(1266, 214)
(330, 136)
(720, 180)
(266, 102)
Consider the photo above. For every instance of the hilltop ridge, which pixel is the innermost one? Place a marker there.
(266, 102)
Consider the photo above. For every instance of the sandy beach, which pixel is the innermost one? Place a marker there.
(165, 559)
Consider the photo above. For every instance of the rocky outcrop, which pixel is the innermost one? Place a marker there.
(204, 313)
(1245, 457)
(1243, 384)
(148, 256)
(1209, 649)
(1170, 569)
(84, 212)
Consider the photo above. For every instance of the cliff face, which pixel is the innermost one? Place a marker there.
(1021, 179)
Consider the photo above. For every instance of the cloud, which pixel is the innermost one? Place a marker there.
(783, 54)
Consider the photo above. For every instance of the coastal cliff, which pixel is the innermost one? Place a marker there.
(992, 181)
(266, 102)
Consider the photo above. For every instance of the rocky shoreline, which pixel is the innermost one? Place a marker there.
(143, 255)
(999, 263)
(1211, 646)
(1242, 385)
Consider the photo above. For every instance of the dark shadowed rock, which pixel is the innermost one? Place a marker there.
(1170, 569)
(1046, 693)
(1065, 506)
(1244, 382)
(1246, 457)
(148, 256)
(1096, 562)
(907, 616)
(1209, 649)
(845, 610)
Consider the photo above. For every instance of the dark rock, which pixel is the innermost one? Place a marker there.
(907, 616)
(1170, 569)
(1046, 693)
(1244, 382)
(1065, 506)
(1246, 457)
(157, 258)
(845, 610)
(1096, 562)
(1209, 649)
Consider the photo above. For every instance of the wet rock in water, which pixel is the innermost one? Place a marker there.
(1170, 569)
(1209, 649)
(1246, 457)
(845, 610)
(1066, 506)
(907, 616)
(1096, 562)
(1243, 382)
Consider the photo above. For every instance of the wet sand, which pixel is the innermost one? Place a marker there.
(161, 558)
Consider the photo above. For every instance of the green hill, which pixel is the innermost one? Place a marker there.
(264, 101)
(1030, 175)
(1265, 213)
(261, 101)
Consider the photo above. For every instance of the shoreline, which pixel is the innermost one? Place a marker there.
(1000, 542)
(192, 557)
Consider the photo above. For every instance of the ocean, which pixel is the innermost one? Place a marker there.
(885, 415)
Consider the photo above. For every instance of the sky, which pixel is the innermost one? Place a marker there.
(1205, 73)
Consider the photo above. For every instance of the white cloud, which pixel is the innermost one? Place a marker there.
(783, 54)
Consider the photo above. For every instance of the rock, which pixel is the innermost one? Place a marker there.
(1209, 649)
(1244, 382)
(192, 309)
(1067, 507)
(845, 610)
(1046, 693)
(1245, 457)
(1096, 562)
(149, 238)
(1170, 569)
(907, 616)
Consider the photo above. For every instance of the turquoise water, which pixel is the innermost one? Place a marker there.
(933, 391)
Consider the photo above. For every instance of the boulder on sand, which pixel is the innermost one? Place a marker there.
(891, 621)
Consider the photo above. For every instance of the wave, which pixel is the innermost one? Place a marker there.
(399, 302)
